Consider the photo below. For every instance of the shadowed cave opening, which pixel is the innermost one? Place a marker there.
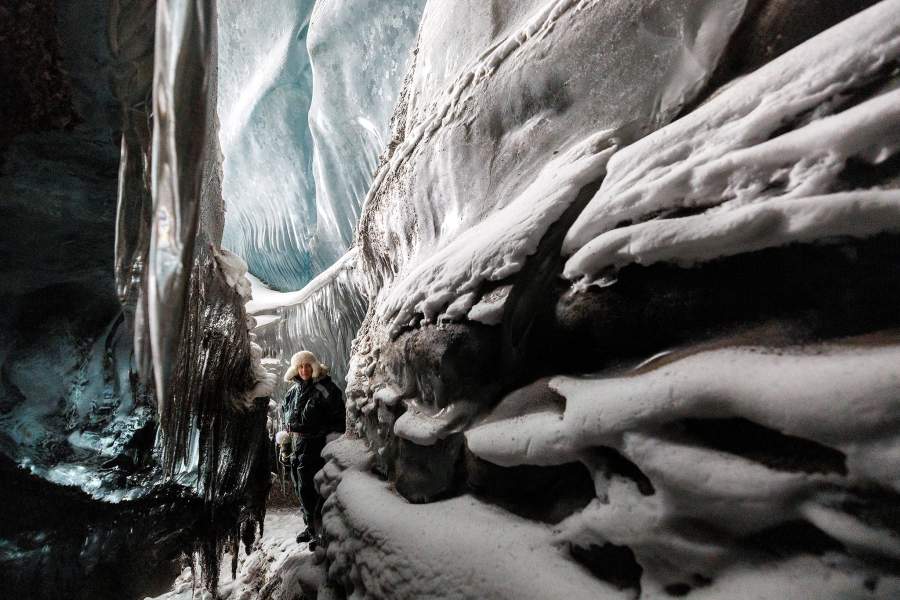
(799, 293)
(792, 538)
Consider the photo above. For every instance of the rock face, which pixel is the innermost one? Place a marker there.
(631, 270)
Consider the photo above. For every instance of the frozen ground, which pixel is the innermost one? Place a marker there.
(277, 568)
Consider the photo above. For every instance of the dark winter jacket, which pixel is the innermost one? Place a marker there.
(314, 408)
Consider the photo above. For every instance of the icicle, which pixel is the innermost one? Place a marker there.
(180, 105)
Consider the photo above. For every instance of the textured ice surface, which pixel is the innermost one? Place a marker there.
(264, 96)
(687, 241)
(842, 397)
(776, 140)
(305, 101)
(275, 567)
(323, 318)
(359, 51)
(495, 116)
(458, 548)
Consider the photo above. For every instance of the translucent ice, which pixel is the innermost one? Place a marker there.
(265, 86)
(302, 129)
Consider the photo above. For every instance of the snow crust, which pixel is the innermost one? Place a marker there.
(687, 241)
(784, 132)
(457, 548)
(276, 568)
(497, 247)
(842, 396)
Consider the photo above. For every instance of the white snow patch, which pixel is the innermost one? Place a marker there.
(277, 564)
(497, 247)
(840, 396)
(489, 310)
(459, 548)
(234, 269)
(689, 240)
(843, 396)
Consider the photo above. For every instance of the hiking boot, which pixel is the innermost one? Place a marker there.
(305, 536)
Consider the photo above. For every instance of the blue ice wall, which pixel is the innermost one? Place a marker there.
(305, 98)
(265, 88)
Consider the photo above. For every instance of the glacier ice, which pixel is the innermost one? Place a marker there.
(305, 98)
(180, 83)
(619, 310)
(86, 504)
(358, 52)
(265, 86)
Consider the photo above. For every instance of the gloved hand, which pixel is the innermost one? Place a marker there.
(283, 439)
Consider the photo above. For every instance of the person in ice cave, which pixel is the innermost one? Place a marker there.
(313, 408)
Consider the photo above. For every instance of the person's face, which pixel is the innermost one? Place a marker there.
(305, 371)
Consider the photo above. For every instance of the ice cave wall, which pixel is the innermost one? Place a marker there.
(626, 273)
(305, 98)
(119, 318)
(631, 269)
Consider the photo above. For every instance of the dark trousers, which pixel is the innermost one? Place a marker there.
(307, 462)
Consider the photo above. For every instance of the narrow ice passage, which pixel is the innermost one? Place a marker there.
(595, 299)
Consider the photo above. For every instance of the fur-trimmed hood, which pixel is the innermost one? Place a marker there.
(305, 356)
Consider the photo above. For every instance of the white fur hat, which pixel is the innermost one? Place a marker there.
(305, 356)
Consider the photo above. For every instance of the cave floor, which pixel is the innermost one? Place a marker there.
(277, 566)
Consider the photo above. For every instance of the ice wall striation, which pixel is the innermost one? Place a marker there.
(359, 52)
(305, 101)
(265, 88)
(632, 276)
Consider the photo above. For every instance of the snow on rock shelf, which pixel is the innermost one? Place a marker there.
(761, 161)
(742, 442)
(632, 270)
